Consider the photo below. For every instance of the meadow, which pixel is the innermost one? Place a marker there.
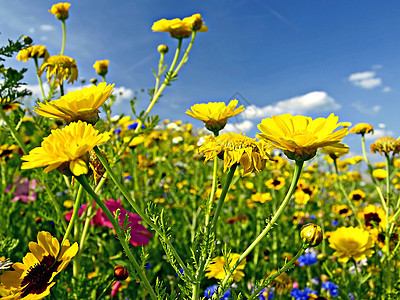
(100, 206)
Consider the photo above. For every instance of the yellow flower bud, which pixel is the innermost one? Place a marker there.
(311, 234)
(162, 48)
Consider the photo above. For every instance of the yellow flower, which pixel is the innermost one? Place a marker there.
(236, 149)
(215, 114)
(60, 10)
(336, 150)
(380, 165)
(258, 197)
(379, 174)
(37, 51)
(216, 268)
(181, 28)
(342, 210)
(77, 105)
(6, 105)
(386, 145)
(66, 149)
(311, 234)
(300, 137)
(275, 183)
(60, 66)
(33, 278)
(351, 243)
(374, 217)
(357, 195)
(101, 67)
(362, 128)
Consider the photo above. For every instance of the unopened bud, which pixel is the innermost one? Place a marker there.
(162, 48)
(27, 40)
(311, 234)
(121, 272)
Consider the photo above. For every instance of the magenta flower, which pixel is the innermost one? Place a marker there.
(25, 190)
(139, 234)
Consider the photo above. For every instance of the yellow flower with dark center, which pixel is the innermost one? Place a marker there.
(77, 105)
(215, 115)
(342, 210)
(60, 10)
(336, 150)
(300, 137)
(275, 183)
(216, 268)
(357, 195)
(66, 149)
(235, 148)
(373, 216)
(181, 28)
(37, 52)
(101, 67)
(351, 243)
(7, 105)
(379, 174)
(385, 145)
(60, 66)
(7, 152)
(362, 128)
(33, 278)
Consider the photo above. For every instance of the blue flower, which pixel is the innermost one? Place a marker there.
(335, 223)
(211, 290)
(133, 126)
(307, 259)
(302, 295)
(117, 131)
(180, 271)
(332, 288)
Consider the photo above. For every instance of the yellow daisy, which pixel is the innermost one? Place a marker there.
(37, 51)
(351, 243)
(60, 10)
(33, 278)
(77, 105)
(215, 114)
(216, 268)
(379, 174)
(236, 148)
(180, 28)
(362, 128)
(386, 145)
(374, 217)
(300, 137)
(60, 66)
(66, 149)
(275, 183)
(101, 67)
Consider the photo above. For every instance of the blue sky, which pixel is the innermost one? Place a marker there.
(302, 57)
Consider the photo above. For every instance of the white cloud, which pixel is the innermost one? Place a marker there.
(316, 101)
(31, 30)
(238, 127)
(371, 111)
(46, 27)
(365, 80)
(378, 133)
(386, 89)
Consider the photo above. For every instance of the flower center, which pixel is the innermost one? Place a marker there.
(372, 219)
(357, 197)
(37, 279)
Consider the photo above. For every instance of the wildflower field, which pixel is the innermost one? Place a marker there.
(99, 206)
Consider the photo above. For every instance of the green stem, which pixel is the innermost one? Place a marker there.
(39, 78)
(213, 189)
(370, 169)
(271, 277)
(339, 181)
(106, 288)
(205, 257)
(62, 88)
(14, 133)
(63, 37)
(103, 78)
(160, 67)
(74, 213)
(55, 203)
(271, 223)
(139, 211)
(83, 181)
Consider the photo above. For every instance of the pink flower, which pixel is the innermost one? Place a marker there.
(139, 234)
(115, 289)
(24, 190)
